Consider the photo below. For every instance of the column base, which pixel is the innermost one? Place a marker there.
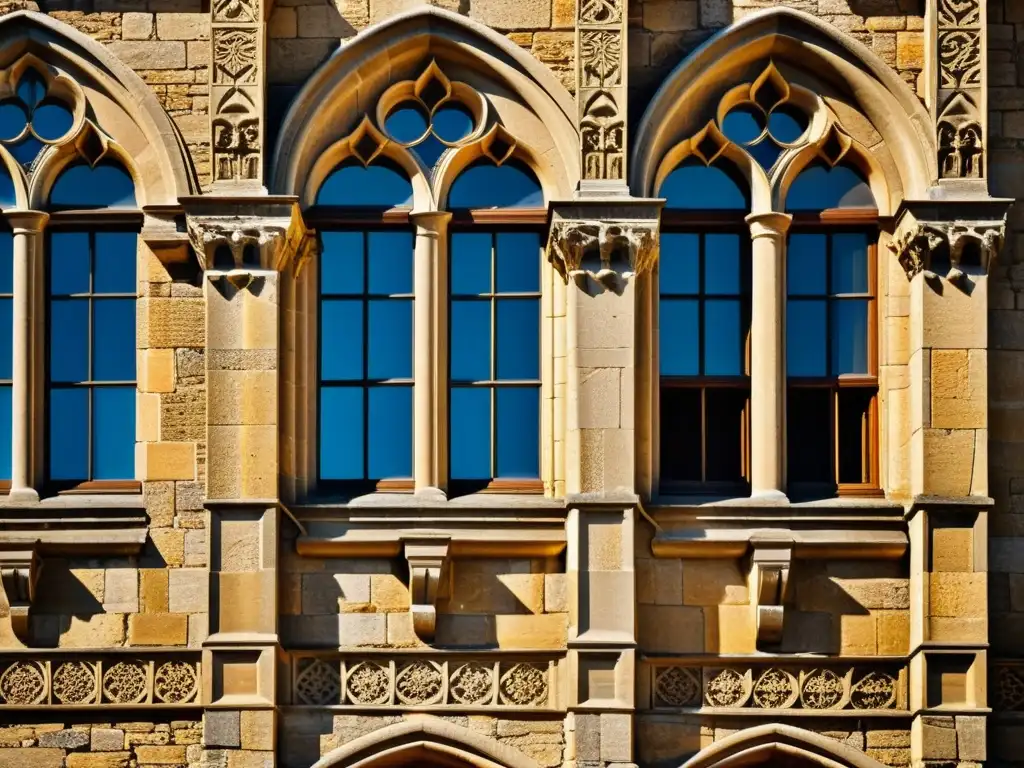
(769, 497)
(23, 496)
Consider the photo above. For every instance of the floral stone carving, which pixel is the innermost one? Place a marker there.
(175, 682)
(126, 682)
(368, 683)
(678, 687)
(23, 683)
(472, 684)
(524, 684)
(317, 683)
(419, 683)
(74, 682)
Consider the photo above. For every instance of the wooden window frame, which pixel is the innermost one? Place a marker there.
(91, 222)
(332, 218)
(834, 222)
(704, 223)
(493, 221)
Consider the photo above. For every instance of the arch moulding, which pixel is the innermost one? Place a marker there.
(764, 743)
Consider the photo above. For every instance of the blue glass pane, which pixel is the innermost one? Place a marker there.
(5, 433)
(850, 263)
(518, 338)
(805, 338)
(113, 335)
(69, 434)
(470, 433)
(113, 433)
(6, 339)
(679, 263)
(12, 120)
(470, 263)
(26, 150)
(31, 88)
(471, 340)
(678, 325)
(115, 263)
(806, 257)
(743, 125)
(341, 433)
(105, 186)
(406, 124)
(722, 264)
(69, 263)
(430, 151)
(51, 121)
(8, 198)
(485, 185)
(69, 339)
(390, 432)
(390, 339)
(341, 262)
(518, 262)
(390, 262)
(765, 152)
(341, 340)
(819, 188)
(849, 337)
(452, 123)
(377, 186)
(518, 432)
(723, 343)
(6, 262)
(700, 187)
(786, 125)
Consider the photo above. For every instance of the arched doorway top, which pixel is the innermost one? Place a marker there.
(776, 741)
(823, 58)
(425, 739)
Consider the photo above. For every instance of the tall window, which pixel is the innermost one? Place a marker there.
(831, 360)
(6, 349)
(703, 326)
(494, 325)
(365, 327)
(91, 289)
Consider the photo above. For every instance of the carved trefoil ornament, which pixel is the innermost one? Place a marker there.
(601, 92)
(959, 40)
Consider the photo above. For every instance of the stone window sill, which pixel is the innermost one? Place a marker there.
(79, 524)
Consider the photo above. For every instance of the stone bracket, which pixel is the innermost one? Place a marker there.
(770, 565)
(19, 572)
(428, 563)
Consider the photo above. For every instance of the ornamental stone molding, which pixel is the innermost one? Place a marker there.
(428, 564)
(19, 572)
(770, 566)
(601, 78)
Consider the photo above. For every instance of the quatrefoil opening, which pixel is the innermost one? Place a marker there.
(33, 117)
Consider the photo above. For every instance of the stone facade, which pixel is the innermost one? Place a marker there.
(231, 614)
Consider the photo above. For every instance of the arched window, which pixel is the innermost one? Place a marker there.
(494, 327)
(91, 288)
(703, 331)
(365, 327)
(831, 360)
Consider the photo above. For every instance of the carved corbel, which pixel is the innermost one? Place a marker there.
(19, 571)
(770, 566)
(614, 245)
(916, 242)
(428, 564)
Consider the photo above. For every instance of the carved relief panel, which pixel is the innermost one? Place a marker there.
(601, 96)
(960, 135)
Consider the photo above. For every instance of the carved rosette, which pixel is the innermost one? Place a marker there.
(236, 93)
(601, 89)
(959, 125)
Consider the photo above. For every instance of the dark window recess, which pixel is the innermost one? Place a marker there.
(855, 440)
(809, 436)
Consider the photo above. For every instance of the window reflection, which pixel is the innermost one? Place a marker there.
(486, 185)
(820, 188)
(105, 186)
(380, 185)
(696, 186)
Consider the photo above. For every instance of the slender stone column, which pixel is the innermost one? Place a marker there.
(428, 376)
(767, 355)
(28, 228)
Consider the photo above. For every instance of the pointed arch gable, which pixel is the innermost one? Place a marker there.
(797, 40)
(425, 738)
(349, 84)
(762, 743)
(119, 102)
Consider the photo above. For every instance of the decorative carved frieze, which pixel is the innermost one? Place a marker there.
(404, 680)
(75, 680)
(19, 571)
(236, 93)
(427, 559)
(927, 242)
(1006, 683)
(960, 72)
(778, 687)
(601, 92)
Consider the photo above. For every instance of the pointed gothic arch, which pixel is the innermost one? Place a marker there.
(427, 740)
(118, 105)
(778, 742)
(524, 96)
(866, 95)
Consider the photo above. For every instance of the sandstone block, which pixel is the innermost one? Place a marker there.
(671, 629)
(157, 629)
(952, 549)
(729, 629)
(909, 50)
(164, 755)
(893, 633)
(103, 630)
(958, 595)
(970, 738)
(188, 590)
(948, 461)
(529, 14)
(169, 544)
(245, 602)
(156, 369)
(659, 581)
(241, 758)
(183, 26)
(888, 738)
(222, 728)
(547, 631)
(714, 582)
(31, 758)
(257, 730)
(170, 322)
(165, 461)
(465, 630)
(153, 583)
(137, 26)
(478, 586)
(858, 635)
(147, 417)
(936, 742)
(107, 740)
(671, 15)
(149, 55)
(66, 738)
(400, 631)
(100, 760)
(388, 594)
(360, 629)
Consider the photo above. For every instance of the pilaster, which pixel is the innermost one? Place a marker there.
(244, 246)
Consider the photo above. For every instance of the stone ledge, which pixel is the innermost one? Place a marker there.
(78, 525)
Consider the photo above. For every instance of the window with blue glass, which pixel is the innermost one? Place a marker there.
(830, 333)
(6, 351)
(91, 348)
(365, 329)
(703, 332)
(494, 326)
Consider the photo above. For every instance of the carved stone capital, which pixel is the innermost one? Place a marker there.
(428, 561)
(19, 571)
(241, 235)
(770, 566)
